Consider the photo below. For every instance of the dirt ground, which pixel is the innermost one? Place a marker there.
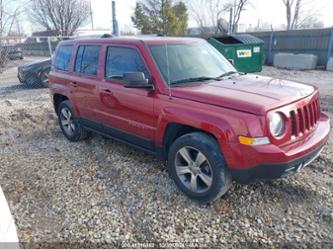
(100, 191)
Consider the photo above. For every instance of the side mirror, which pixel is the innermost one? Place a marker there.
(136, 80)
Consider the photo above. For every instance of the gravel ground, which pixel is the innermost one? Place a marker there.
(322, 79)
(100, 191)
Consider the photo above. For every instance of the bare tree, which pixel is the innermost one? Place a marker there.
(207, 13)
(311, 22)
(5, 17)
(300, 17)
(62, 16)
(239, 7)
(1, 17)
(9, 14)
(292, 12)
(14, 18)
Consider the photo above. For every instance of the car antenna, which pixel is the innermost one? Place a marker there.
(168, 68)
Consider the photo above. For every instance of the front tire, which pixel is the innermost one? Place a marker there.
(198, 168)
(69, 123)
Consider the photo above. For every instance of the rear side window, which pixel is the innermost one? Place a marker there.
(123, 60)
(87, 59)
(63, 57)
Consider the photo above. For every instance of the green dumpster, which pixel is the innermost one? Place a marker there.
(244, 51)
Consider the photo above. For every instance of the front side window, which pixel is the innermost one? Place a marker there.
(179, 62)
(63, 57)
(87, 59)
(122, 60)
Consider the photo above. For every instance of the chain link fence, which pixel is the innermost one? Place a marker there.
(26, 61)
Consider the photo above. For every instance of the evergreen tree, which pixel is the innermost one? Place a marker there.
(161, 17)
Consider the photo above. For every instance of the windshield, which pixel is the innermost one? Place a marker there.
(190, 62)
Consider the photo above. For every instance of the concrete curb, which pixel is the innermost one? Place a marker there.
(329, 66)
(295, 61)
(8, 234)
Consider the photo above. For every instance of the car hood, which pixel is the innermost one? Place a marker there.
(249, 93)
(41, 63)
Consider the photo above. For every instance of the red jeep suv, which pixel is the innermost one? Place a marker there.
(181, 100)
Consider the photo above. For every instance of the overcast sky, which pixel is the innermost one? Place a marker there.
(268, 11)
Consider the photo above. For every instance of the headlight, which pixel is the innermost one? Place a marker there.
(276, 124)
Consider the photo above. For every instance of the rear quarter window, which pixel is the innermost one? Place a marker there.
(63, 57)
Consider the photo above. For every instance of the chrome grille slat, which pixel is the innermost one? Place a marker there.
(301, 120)
(313, 105)
(304, 118)
(314, 112)
(293, 123)
(318, 109)
(310, 116)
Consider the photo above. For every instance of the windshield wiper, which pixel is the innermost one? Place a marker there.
(203, 78)
(227, 74)
(192, 79)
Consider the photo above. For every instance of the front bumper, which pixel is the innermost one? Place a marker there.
(273, 171)
(27, 77)
(271, 161)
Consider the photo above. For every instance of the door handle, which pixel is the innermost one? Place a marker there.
(107, 91)
(74, 84)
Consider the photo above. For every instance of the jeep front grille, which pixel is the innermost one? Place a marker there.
(305, 118)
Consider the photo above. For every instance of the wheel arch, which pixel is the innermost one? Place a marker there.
(175, 122)
(175, 130)
(57, 100)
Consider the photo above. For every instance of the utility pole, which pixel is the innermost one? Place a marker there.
(231, 21)
(164, 18)
(91, 16)
(115, 28)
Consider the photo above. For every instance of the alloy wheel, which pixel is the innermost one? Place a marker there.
(67, 122)
(193, 169)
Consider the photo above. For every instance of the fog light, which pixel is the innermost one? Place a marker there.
(253, 140)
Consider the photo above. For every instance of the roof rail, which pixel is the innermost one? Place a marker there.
(150, 35)
(93, 36)
(106, 36)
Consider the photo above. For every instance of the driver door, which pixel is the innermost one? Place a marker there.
(127, 113)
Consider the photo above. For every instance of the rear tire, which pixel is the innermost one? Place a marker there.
(198, 168)
(69, 123)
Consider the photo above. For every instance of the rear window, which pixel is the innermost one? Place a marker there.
(63, 57)
(87, 59)
(122, 60)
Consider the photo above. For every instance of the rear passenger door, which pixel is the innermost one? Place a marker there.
(61, 67)
(85, 80)
(126, 112)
